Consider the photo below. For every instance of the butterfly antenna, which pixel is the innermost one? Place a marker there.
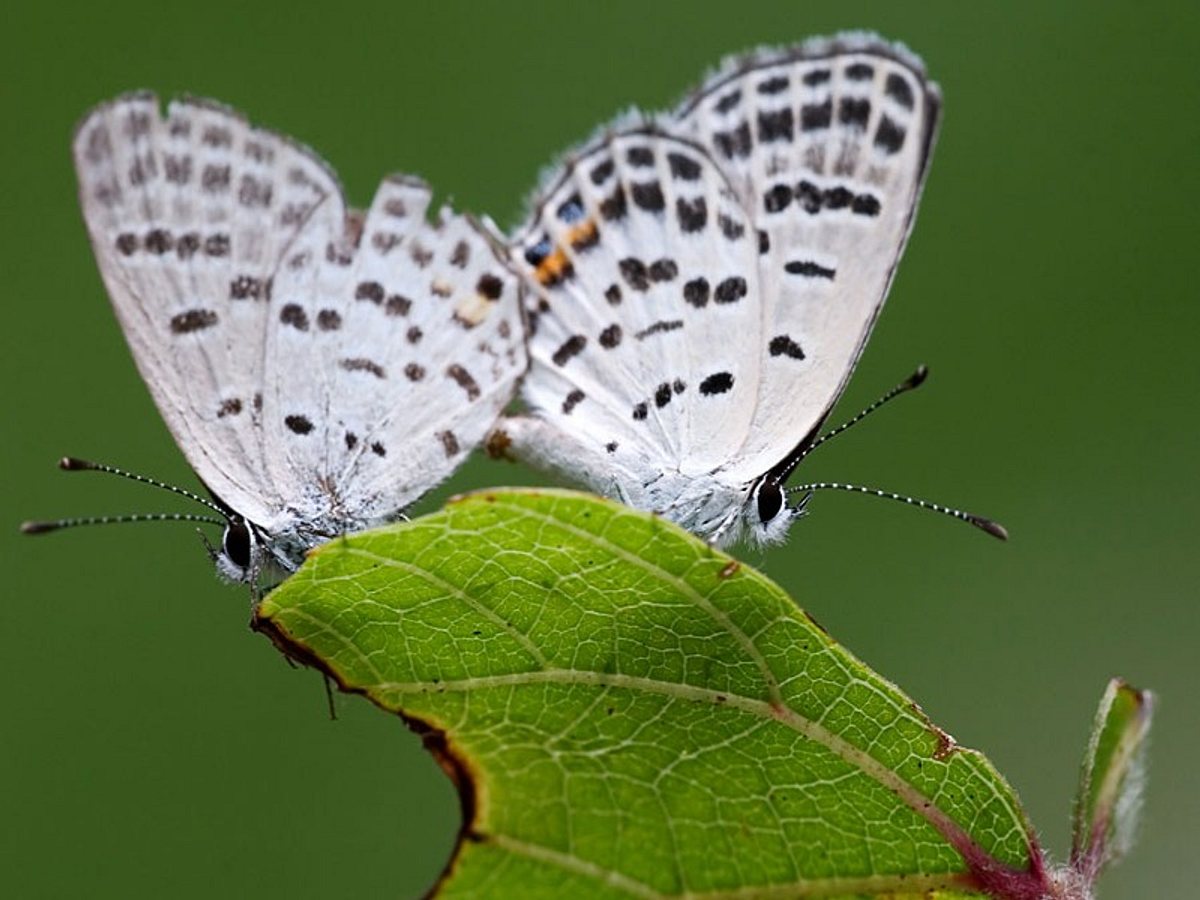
(995, 529)
(72, 464)
(58, 524)
(915, 380)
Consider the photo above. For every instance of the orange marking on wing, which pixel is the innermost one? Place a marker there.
(552, 269)
(583, 235)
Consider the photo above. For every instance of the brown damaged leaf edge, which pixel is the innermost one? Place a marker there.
(433, 739)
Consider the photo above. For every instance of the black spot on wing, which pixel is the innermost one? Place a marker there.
(730, 290)
(610, 337)
(192, 320)
(329, 320)
(639, 157)
(776, 84)
(735, 143)
(660, 327)
(158, 241)
(728, 102)
(634, 272)
(683, 167)
(716, 383)
(692, 214)
(775, 126)
(489, 286)
(860, 71)
(294, 315)
(889, 136)
(663, 270)
(449, 442)
(854, 112)
(362, 364)
(573, 399)
(248, 287)
(783, 345)
(731, 229)
(648, 195)
(898, 88)
(602, 172)
(614, 206)
(571, 347)
(809, 269)
(464, 380)
(865, 205)
(696, 292)
(815, 116)
(778, 197)
(229, 407)
(298, 424)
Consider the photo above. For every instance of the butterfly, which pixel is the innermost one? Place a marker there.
(701, 285)
(320, 368)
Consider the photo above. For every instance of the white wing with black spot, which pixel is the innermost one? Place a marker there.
(637, 259)
(827, 145)
(700, 289)
(320, 369)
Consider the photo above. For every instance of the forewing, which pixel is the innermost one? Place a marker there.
(637, 260)
(827, 145)
(189, 217)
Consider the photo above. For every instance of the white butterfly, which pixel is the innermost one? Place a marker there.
(320, 368)
(701, 286)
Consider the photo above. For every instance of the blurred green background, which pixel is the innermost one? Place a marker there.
(151, 745)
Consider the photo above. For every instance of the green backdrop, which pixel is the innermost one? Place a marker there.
(150, 745)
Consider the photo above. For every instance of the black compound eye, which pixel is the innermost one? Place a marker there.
(770, 501)
(236, 543)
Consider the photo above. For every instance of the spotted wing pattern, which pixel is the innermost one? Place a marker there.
(314, 364)
(826, 145)
(637, 258)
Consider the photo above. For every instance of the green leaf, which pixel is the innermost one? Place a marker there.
(1108, 804)
(629, 712)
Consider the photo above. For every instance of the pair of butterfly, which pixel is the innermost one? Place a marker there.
(685, 303)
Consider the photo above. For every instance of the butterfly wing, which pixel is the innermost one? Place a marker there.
(827, 145)
(406, 339)
(636, 257)
(188, 217)
(267, 335)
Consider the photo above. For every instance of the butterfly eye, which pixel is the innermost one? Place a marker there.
(770, 501)
(236, 544)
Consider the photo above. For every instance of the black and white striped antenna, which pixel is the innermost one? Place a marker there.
(72, 464)
(915, 380)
